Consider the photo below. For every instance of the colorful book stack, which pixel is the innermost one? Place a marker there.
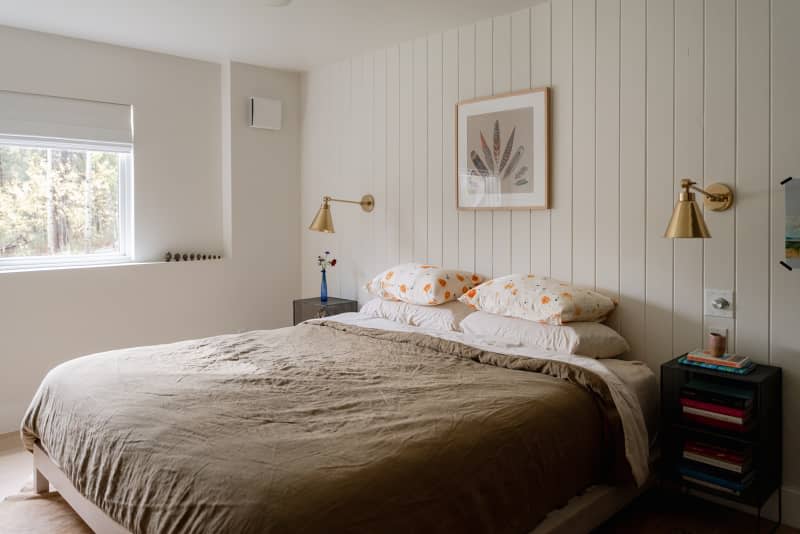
(727, 363)
(722, 468)
(715, 462)
(717, 406)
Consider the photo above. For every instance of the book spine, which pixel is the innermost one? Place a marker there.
(723, 456)
(717, 408)
(715, 423)
(716, 361)
(720, 368)
(736, 486)
(714, 415)
(713, 462)
(710, 485)
(716, 398)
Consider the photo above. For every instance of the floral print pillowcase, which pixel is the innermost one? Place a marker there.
(418, 283)
(540, 299)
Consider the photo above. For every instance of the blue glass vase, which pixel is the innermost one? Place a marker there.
(323, 289)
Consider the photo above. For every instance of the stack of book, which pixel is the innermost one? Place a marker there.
(727, 363)
(718, 406)
(723, 468)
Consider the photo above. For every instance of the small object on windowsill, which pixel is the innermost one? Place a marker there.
(194, 256)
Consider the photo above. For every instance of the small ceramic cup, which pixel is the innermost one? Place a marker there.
(717, 344)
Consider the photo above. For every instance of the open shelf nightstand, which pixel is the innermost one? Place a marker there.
(762, 436)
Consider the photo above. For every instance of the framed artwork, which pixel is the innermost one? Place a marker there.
(792, 188)
(503, 151)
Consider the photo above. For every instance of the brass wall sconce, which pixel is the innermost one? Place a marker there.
(687, 219)
(323, 222)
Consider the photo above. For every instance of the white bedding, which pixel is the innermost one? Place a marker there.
(632, 384)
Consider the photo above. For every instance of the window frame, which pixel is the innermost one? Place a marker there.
(125, 208)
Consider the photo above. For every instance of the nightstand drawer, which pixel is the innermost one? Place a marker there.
(314, 308)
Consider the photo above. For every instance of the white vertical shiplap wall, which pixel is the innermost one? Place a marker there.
(781, 153)
(632, 311)
(687, 295)
(659, 198)
(541, 75)
(644, 92)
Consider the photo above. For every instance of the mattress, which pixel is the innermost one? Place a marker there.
(334, 426)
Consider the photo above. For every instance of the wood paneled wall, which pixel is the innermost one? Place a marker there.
(645, 92)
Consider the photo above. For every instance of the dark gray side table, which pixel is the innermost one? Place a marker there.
(314, 308)
(765, 436)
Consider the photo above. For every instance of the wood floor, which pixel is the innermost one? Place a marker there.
(662, 512)
(655, 512)
(15, 465)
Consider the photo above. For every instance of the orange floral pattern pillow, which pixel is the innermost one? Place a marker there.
(540, 299)
(417, 283)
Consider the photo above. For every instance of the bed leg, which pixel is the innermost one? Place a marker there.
(40, 483)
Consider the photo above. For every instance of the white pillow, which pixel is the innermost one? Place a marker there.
(446, 316)
(595, 340)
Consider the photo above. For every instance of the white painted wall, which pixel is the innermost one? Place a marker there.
(203, 181)
(644, 93)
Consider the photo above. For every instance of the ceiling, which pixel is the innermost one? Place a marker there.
(305, 34)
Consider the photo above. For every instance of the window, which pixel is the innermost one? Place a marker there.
(65, 182)
(63, 203)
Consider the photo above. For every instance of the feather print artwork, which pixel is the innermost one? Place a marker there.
(487, 153)
(507, 151)
(520, 174)
(501, 151)
(492, 167)
(514, 161)
(497, 140)
(479, 165)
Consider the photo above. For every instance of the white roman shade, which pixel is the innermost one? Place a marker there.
(30, 115)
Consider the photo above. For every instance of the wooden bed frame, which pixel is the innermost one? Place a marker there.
(45, 471)
(582, 513)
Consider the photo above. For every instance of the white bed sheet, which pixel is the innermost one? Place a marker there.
(632, 384)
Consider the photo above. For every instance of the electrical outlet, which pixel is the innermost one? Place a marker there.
(719, 303)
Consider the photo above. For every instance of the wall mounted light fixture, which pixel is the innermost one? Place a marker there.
(687, 219)
(323, 222)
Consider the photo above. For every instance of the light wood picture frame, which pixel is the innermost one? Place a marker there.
(503, 151)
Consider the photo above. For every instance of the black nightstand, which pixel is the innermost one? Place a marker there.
(313, 308)
(761, 442)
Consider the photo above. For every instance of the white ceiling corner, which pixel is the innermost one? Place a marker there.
(300, 36)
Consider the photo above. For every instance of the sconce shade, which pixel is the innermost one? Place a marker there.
(323, 222)
(687, 220)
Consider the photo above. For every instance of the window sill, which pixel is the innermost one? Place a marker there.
(17, 265)
(119, 262)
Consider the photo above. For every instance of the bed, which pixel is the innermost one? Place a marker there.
(351, 424)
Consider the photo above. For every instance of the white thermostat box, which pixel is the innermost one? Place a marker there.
(265, 113)
(719, 303)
